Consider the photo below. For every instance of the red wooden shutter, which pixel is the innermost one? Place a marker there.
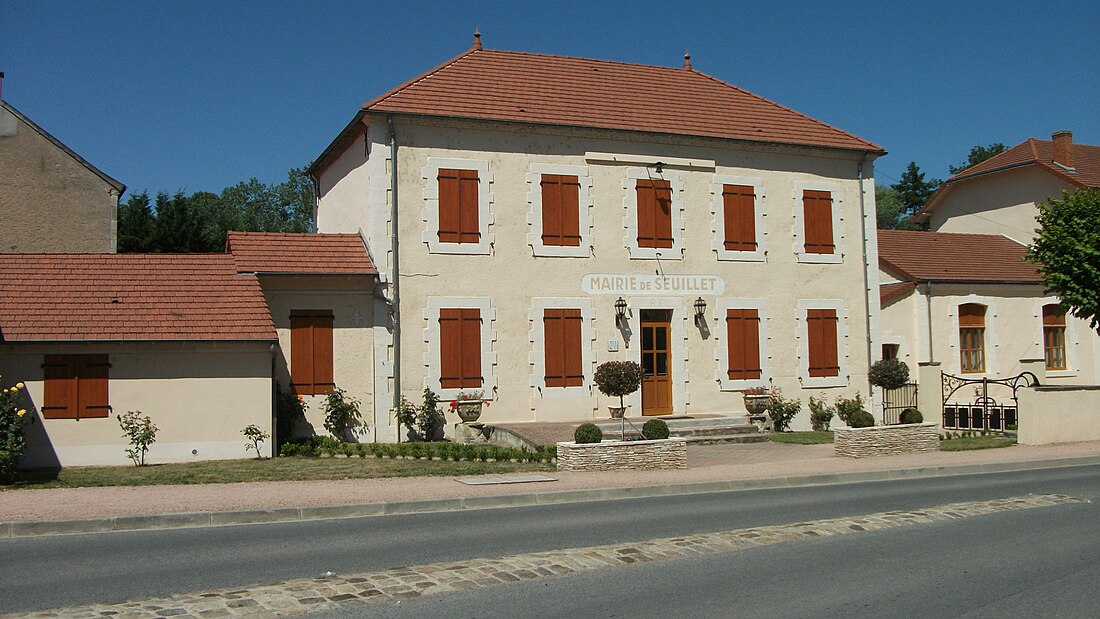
(459, 348)
(469, 228)
(571, 336)
(570, 211)
(60, 388)
(471, 348)
(321, 326)
(654, 213)
(301, 353)
(739, 204)
(647, 203)
(92, 379)
(743, 344)
(662, 215)
(553, 326)
(450, 222)
(817, 212)
(551, 210)
(822, 342)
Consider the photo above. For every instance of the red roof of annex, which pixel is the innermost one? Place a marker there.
(954, 257)
(289, 252)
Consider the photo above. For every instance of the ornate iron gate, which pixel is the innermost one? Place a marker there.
(896, 400)
(984, 412)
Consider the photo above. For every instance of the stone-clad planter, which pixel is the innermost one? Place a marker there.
(669, 453)
(886, 440)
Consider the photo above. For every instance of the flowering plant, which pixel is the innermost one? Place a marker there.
(756, 391)
(12, 440)
(463, 397)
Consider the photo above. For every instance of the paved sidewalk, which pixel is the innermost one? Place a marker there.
(711, 468)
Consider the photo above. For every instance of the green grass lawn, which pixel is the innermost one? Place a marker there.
(976, 442)
(275, 469)
(801, 438)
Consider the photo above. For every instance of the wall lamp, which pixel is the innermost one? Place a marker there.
(700, 308)
(620, 310)
(659, 167)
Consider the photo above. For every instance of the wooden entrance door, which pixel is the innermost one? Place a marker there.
(656, 362)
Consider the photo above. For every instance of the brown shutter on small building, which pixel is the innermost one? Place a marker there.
(93, 372)
(301, 353)
(323, 381)
(739, 205)
(460, 348)
(654, 213)
(821, 331)
(562, 348)
(743, 344)
(458, 206)
(60, 390)
(817, 213)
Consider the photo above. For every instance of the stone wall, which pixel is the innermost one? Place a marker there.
(886, 440)
(669, 453)
(1059, 414)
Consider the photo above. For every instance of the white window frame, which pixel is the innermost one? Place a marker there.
(718, 210)
(1072, 368)
(990, 341)
(431, 206)
(834, 189)
(803, 336)
(630, 203)
(488, 338)
(584, 210)
(721, 352)
(537, 338)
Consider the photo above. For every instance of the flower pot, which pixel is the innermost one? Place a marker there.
(617, 412)
(469, 410)
(756, 404)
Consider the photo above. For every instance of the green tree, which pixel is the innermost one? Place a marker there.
(913, 190)
(978, 154)
(135, 224)
(178, 226)
(1067, 251)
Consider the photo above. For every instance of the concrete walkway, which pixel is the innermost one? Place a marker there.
(711, 468)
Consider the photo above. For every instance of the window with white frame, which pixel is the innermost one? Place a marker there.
(822, 334)
(560, 220)
(457, 200)
(562, 355)
(738, 208)
(741, 349)
(459, 337)
(817, 228)
(654, 214)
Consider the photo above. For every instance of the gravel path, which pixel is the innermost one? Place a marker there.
(706, 463)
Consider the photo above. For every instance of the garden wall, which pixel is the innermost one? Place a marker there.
(886, 440)
(1059, 414)
(668, 453)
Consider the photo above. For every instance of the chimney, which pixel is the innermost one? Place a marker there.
(1063, 149)
(1, 84)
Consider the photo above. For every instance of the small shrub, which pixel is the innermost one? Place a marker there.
(255, 436)
(290, 412)
(12, 436)
(821, 414)
(588, 433)
(861, 419)
(781, 410)
(910, 415)
(341, 414)
(1011, 427)
(846, 407)
(655, 429)
(141, 433)
(424, 422)
(618, 378)
(888, 374)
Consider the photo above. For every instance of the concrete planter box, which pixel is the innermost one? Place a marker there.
(886, 440)
(669, 453)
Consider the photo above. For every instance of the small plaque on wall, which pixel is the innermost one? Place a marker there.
(612, 345)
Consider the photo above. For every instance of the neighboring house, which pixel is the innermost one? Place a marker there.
(194, 341)
(999, 195)
(971, 303)
(554, 213)
(51, 199)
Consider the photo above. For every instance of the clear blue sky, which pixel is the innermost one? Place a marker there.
(198, 95)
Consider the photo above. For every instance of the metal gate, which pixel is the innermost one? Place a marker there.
(896, 400)
(986, 411)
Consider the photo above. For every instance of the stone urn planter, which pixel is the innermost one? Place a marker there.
(756, 404)
(469, 411)
(617, 412)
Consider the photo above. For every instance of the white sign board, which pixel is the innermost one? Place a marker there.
(666, 285)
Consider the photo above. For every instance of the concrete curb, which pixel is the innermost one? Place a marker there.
(327, 512)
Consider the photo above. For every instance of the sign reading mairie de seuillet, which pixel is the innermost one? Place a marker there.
(610, 283)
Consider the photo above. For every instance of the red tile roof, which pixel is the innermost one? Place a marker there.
(888, 293)
(560, 90)
(1030, 152)
(947, 257)
(137, 297)
(284, 252)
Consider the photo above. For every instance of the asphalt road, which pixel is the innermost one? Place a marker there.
(48, 572)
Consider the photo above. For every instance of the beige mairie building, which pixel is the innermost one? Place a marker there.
(553, 213)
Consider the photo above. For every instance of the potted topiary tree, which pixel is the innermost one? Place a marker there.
(618, 378)
(888, 374)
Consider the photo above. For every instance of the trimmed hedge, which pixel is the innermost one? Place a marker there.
(588, 433)
(911, 415)
(424, 451)
(655, 429)
(861, 419)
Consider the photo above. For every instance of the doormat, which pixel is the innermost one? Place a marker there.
(487, 480)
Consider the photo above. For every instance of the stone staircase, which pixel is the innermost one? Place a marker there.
(697, 431)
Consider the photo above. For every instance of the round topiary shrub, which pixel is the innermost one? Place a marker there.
(618, 378)
(889, 374)
(655, 429)
(861, 419)
(588, 433)
(910, 415)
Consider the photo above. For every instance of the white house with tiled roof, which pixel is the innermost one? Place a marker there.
(534, 215)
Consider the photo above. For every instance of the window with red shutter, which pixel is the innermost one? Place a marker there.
(739, 205)
(561, 210)
(743, 344)
(654, 213)
(458, 206)
(821, 331)
(311, 371)
(817, 215)
(75, 387)
(562, 347)
(460, 348)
